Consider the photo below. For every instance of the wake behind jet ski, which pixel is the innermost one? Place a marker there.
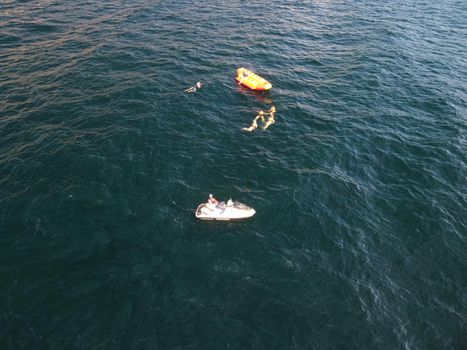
(215, 210)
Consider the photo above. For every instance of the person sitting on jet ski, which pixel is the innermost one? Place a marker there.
(212, 200)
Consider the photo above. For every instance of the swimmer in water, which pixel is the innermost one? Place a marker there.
(270, 121)
(252, 127)
(196, 87)
(260, 116)
(254, 123)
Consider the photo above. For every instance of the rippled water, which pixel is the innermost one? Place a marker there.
(360, 188)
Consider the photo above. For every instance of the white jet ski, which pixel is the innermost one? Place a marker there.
(224, 212)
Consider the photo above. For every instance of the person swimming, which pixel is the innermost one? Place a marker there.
(195, 87)
(252, 127)
(270, 121)
(260, 116)
(254, 123)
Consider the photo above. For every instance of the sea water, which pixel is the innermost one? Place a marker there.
(360, 187)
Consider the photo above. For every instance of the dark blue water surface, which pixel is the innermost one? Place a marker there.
(360, 188)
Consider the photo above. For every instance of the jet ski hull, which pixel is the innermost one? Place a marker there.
(236, 211)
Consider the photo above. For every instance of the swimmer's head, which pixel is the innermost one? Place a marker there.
(261, 112)
(273, 109)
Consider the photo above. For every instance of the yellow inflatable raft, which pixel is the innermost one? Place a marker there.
(252, 80)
